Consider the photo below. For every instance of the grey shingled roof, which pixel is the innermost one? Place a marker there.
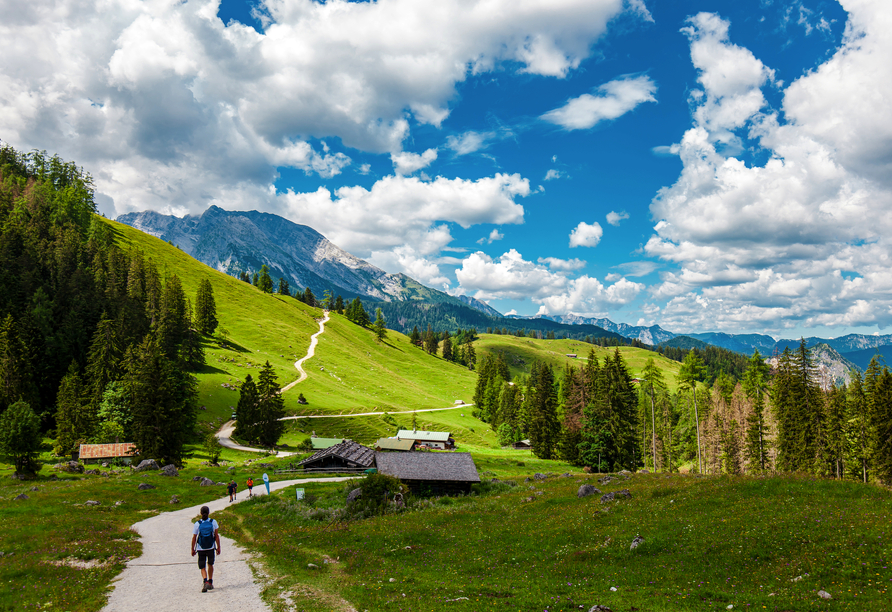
(456, 467)
(348, 450)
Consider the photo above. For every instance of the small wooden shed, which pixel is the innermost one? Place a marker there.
(522, 445)
(103, 452)
(347, 454)
(430, 473)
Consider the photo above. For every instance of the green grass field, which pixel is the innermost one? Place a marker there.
(709, 543)
(521, 353)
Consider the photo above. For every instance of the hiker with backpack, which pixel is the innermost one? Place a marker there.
(250, 484)
(232, 489)
(204, 539)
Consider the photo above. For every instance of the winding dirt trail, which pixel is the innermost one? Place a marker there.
(165, 578)
(299, 364)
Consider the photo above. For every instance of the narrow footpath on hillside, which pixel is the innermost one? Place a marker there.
(224, 435)
(165, 578)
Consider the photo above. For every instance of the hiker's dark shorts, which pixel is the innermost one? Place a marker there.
(205, 556)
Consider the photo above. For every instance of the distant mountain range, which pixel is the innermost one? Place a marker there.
(235, 242)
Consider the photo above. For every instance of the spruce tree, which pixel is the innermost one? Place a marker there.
(860, 427)
(309, 298)
(247, 417)
(544, 427)
(264, 280)
(74, 419)
(882, 418)
(284, 288)
(270, 407)
(205, 308)
(755, 385)
(339, 305)
(447, 347)
(173, 318)
(415, 337)
(431, 342)
(380, 326)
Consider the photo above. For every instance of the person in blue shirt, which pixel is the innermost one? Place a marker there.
(205, 538)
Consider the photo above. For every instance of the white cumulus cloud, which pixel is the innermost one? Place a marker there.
(613, 217)
(407, 163)
(612, 100)
(585, 234)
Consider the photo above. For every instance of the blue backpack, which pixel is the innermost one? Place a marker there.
(206, 534)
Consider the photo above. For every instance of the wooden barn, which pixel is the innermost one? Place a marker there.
(429, 474)
(347, 455)
(106, 452)
(522, 445)
(427, 439)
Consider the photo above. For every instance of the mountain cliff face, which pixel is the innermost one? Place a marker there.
(235, 242)
(652, 335)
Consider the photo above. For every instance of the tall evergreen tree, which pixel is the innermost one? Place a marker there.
(544, 427)
(284, 287)
(379, 326)
(74, 418)
(882, 419)
(163, 402)
(860, 427)
(173, 321)
(270, 407)
(755, 385)
(205, 308)
(264, 280)
(247, 417)
(447, 347)
(652, 385)
(309, 299)
(431, 341)
(339, 305)
(15, 376)
(415, 336)
(798, 403)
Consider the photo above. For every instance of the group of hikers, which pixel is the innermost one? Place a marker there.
(206, 537)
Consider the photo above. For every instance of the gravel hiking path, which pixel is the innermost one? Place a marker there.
(165, 578)
(299, 364)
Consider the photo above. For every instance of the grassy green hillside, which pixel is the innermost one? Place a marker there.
(520, 353)
(350, 373)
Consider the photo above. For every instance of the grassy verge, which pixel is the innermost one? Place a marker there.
(61, 554)
(709, 543)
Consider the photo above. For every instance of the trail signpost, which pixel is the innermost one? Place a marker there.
(266, 482)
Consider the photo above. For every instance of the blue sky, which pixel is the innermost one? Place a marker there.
(698, 165)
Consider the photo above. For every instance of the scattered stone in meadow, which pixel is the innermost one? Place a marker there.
(21, 497)
(206, 482)
(312, 566)
(392, 580)
(625, 493)
(118, 503)
(605, 480)
(144, 486)
(539, 476)
(104, 474)
(586, 490)
(197, 478)
(146, 464)
(174, 500)
(92, 472)
(600, 608)
(353, 495)
(730, 607)
(638, 541)
(456, 599)
(35, 489)
(644, 471)
(528, 499)
(91, 502)
(72, 467)
(608, 497)
(613, 588)
(169, 470)
(824, 595)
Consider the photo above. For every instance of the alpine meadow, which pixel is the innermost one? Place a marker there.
(461, 305)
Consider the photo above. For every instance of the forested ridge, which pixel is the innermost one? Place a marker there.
(762, 419)
(93, 340)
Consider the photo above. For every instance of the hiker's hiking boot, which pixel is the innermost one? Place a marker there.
(210, 585)
(204, 588)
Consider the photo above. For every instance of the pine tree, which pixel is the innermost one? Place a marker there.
(309, 298)
(653, 384)
(691, 372)
(447, 347)
(544, 427)
(191, 350)
(205, 308)
(882, 418)
(246, 411)
(163, 402)
(284, 288)
(339, 305)
(15, 379)
(380, 326)
(755, 385)
(415, 337)
(264, 280)
(860, 426)
(173, 321)
(835, 429)
(74, 422)
(270, 407)
(431, 342)
(799, 406)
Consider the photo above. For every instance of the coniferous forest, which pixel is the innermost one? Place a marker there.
(769, 418)
(94, 342)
